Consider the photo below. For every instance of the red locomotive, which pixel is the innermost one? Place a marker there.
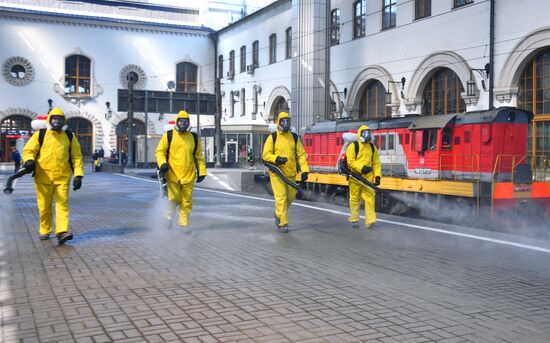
(476, 158)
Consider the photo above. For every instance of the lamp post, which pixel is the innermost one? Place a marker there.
(109, 113)
(471, 84)
(388, 93)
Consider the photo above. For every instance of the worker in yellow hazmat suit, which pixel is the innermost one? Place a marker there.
(179, 155)
(366, 162)
(54, 155)
(284, 149)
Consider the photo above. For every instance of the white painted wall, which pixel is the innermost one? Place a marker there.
(269, 76)
(45, 45)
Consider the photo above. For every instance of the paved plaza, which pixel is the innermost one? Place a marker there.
(127, 278)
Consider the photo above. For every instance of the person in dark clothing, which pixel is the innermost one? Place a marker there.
(101, 153)
(16, 158)
(95, 157)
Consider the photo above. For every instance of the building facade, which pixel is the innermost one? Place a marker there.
(386, 58)
(79, 62)
(396, 58)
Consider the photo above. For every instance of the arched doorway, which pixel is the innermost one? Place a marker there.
(138, 128)
(83, 129)
(279, 105)
(13, 128)
(534, 96)
(373, 101)
(442, 93)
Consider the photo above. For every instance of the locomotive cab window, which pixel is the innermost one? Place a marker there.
(391, 141)
(376, 141)
(429, 139)
(383, 142)
(446, 138)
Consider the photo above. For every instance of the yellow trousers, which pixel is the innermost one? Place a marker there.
(180, 194)
(284, 196)
(358, 192)
(45, 193)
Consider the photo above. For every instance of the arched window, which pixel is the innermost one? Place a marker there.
(534, 96)
(83, 129)
(186, 77)
(272, 48)
(138, 128)
(288, 50)
(12, 128)
(373, 101)
(442, 93)
(359, 18)
(280, 105)
(77, 75)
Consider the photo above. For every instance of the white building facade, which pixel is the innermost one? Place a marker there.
(81, 61)
(438, 48)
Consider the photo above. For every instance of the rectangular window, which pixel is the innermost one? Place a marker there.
(460, 3)
(377, 141)
(422, 9)
(231, 71)
(457, 140)
(272, 48)
(243, 58)
(288, 52)
(256, 54)
(407, 138)
(335, 27)
(359, 18)
(446, 138)
(383, 142)
(429, 139)
(389, 12)
(220, 67)
(391, 141)
(400, 139)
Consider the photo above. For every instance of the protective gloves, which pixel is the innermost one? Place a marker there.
(281, 160)
(77, 183)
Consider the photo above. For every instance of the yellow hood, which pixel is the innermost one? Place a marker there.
(55, 112)
(182, 114)
(361, 129)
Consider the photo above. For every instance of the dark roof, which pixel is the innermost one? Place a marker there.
(104, 20)
(432, 122)
(133, 4)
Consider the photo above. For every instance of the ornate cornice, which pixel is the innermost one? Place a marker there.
(102, 23)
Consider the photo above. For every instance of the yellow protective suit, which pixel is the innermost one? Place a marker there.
(53, 174)
(183, 170)
(284, 147)
(364, 157)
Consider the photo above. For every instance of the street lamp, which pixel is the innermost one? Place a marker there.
(109, 113)
(471, 84)
(388, 93)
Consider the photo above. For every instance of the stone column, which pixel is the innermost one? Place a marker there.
(310, 61)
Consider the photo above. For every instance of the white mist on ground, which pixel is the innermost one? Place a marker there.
(457, 212)
(155, 218)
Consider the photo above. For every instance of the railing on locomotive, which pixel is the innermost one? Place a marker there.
(474, 165)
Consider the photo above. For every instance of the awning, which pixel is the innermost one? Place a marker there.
(437, 121)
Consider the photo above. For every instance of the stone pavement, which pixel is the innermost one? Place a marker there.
(126, 278)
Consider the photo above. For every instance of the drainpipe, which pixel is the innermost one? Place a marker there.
(492, 55)
(218, 116)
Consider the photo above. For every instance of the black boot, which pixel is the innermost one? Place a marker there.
(64, 236)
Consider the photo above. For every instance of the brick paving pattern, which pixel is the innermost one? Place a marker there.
(126, 278)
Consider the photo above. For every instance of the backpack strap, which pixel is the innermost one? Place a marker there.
(196, 140)
(41, 136)
(169, 135)
(356, 145)
(70, 137)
